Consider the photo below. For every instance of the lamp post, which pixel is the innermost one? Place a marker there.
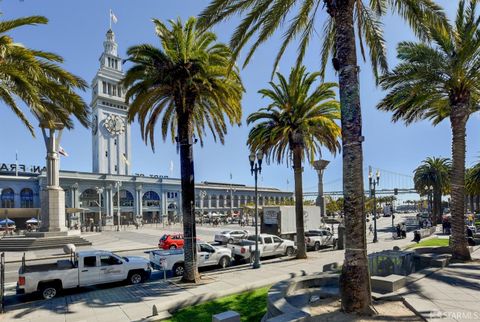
(373, 183)
(99, 192)
(203, 194)
(118, 184)
(255, 169)
(429, 191)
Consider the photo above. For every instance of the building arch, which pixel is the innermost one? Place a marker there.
(221, 201)
(89, 198)
(8, 198)
(126, 199)
(151, 199)
(26, 198)
(213, 201)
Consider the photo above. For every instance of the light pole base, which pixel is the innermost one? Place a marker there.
(256, 262)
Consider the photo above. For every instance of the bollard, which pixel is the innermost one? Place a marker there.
(154, 310)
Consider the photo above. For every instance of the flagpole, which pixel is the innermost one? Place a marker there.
(16, 163)
(110, 19)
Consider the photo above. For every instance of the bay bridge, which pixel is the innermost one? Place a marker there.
(391, 183)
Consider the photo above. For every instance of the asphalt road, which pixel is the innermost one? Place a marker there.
(205, 232)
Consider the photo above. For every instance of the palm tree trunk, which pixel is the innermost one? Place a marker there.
(185, 136)
(477, 203)
(470, 198)
(297, 169)
(355, 279)
(458, 118)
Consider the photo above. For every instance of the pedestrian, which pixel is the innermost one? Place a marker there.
(404, 230)
(370, 228)
(399, 232)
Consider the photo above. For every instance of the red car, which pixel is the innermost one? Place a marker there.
(171, 241)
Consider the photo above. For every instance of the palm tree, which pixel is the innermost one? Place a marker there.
(263, 17)
(35, 78)
(433, 172)
(438, 81)
(188, 86)
(298, 121)
(472, 184)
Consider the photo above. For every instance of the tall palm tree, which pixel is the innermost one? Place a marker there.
(300, 17)
(187, 86)
(433, 172)
(36, 78)
(438, 81)
(297, 122)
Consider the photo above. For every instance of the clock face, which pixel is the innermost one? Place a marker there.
(115, 124)
(94, 125)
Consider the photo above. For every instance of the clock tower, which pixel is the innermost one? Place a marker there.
(110, 129)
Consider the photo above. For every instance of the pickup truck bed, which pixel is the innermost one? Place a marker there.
(60, 265)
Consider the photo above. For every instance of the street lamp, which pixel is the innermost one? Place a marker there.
(203, 194)
(429, 191)
(118, 184)
(255, 169)
(99, 192)
(373, 183)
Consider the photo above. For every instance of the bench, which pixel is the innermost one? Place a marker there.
(387, 284)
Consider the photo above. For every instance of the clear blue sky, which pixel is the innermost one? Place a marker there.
(77, 29)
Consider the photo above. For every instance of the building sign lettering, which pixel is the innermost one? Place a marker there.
(156, 176)
(21, 168)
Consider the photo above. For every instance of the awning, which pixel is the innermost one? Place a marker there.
(75, 210)
(19, 212)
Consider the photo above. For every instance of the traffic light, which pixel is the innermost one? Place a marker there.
(395, 191)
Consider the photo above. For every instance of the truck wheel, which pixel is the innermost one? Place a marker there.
(289, 252)
(178, 269)
(316, 246)
(49, 291)
(173, 247)
(224, 262)
(230, 241)
(135, 278)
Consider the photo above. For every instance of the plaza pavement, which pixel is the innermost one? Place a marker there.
(135, 302)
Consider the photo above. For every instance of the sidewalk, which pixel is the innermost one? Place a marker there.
(448, 295)
(134, 303)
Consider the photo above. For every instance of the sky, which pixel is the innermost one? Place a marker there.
(76, 31)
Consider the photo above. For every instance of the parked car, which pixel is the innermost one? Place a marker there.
(229, 236)
(85, 268)
(318, 238)
(268, 245)
(171, 241)
(173, 260)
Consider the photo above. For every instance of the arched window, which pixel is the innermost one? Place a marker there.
(126, 199)
(26, 198)
(8, 198)
(151, 199)
(89, 198)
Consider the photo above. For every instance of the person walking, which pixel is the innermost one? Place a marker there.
(370, 228)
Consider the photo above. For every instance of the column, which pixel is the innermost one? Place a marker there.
(320, 166)
(164, 204)
(108, 205)
(139, 207)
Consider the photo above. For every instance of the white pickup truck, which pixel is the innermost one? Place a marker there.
(173, 260)
(318, 238)
(268, 245)
(85, 268)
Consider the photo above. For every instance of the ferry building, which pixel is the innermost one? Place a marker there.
(110, 191)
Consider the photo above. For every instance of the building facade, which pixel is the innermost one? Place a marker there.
(109, 195)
